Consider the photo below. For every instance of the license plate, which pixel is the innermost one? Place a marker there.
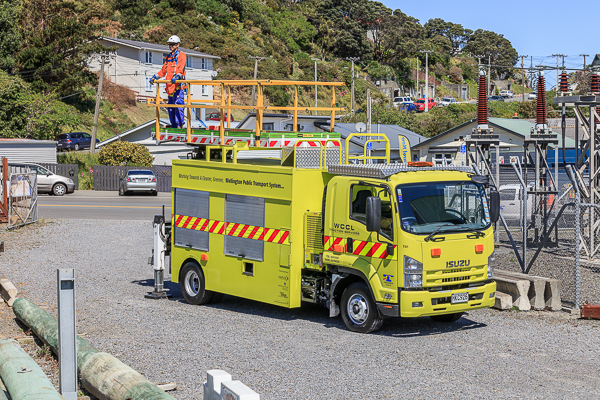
(459, 298)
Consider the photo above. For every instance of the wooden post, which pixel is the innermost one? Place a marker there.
(295, 127)
(189, 115)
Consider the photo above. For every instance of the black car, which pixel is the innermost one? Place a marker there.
(495, 98)
(74, 141)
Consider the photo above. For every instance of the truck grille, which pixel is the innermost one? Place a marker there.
(455, 276)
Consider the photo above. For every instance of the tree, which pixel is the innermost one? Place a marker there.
(10, 38)
(402, 37)
(496, 46)
(455, 33)
(58, 38)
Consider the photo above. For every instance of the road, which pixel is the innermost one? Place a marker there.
(89, 204)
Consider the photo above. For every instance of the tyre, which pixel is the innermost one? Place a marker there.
(447, 317)
(191, 281)
(359, 310)
(59, 189)
(76, 147)
(155, 193)
(121, 192)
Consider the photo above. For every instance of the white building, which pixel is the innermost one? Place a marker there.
(133, 64)
(28, 151)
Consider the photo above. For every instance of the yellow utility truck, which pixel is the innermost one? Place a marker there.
(366, 238)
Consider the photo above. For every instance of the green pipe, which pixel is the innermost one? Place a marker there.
(23, 378)
(101, 374)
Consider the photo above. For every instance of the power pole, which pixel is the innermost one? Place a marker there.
(417, 79)
(523, 79)
(557, 56)
(426, 78)
(256, 59)
(98, 98)
(584, 56)
(315, 60)
(489, 74)
(352, 91)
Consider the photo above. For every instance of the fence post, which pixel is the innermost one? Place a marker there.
(577, 235)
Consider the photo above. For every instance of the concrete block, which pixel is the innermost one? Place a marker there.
(552, 295)
(236, 390)
(212, 386)
(8, 291)
(517, 289)
(503, 301)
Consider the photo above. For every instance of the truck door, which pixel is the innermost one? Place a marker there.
(349, 245)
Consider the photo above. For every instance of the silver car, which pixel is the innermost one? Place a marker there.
(138, 180)
(47, 182)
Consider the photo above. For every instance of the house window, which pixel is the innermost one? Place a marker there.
(148, 57)
(203, 63)
(204, 91)
(188, 62)
(442, 159)
(148, 85)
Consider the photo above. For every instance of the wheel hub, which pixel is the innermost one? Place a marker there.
(192, 283)
(358, 309)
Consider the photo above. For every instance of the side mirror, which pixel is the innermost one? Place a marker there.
(481, 179)
(373, 214)
(494, 205)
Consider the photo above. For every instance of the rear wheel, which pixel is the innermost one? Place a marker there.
(447, 317)
(121, 192)
(191, 281)
(76, 147)
(155, 193)
(359, 310)
(59, 189)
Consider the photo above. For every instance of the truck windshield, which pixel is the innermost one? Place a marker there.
(453, 206)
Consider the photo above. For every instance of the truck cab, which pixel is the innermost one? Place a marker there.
(415, 243)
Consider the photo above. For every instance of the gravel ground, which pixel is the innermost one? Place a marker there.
(299, 353)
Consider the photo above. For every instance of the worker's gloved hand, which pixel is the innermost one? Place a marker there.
(153, 79)
(175, 77)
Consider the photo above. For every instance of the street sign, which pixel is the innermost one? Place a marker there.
(463, 148)
(370, 146)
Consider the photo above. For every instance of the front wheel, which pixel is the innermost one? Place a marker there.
(191, 281)
(59, 189)
(359, 310)
(447, 317)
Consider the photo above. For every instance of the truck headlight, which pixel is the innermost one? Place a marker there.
(413, 273)
(491, 263)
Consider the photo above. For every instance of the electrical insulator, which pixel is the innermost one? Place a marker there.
(564, 82)
(595, 84)
(482, 110)
(541, 101)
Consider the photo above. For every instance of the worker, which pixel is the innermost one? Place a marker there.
(173, 69)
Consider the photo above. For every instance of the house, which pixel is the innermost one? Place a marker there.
(28, 151)
(596, 61)
(133, 64)
(284, 122)
(163, 154)
(446, 147)
(358, 143)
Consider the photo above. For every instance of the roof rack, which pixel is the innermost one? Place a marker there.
(382, 171)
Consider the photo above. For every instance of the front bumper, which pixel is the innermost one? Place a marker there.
(438, 303)
(70, 187)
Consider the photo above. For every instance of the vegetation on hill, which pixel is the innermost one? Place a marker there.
(45, 46)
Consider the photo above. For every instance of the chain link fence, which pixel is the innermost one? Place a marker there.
(557, 225)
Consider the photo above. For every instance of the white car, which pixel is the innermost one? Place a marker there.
(399, 101)
(507, 94)
(446, 101)
(532, 96)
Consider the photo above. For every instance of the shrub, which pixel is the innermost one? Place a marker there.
(455, 74)
(125, 153)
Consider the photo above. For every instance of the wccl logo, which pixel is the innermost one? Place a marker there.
(388, 278)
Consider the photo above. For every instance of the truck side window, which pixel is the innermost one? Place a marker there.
(358, 207)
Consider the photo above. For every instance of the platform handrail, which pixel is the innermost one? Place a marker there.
(365, 157)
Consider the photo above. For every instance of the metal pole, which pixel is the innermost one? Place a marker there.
(67, 345)
(489, 74)
(592, 168)
(316, 87)
(352, 59)
(523, 79)
(426, 78)
(524, 191)
(97, 109)
(571, 176)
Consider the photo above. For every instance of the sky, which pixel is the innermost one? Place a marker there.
(537, 29)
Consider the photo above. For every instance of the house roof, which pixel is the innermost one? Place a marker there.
(26, 141)
(596, 60)
(517, 127)
(391, 131)
(153, 46)
(129, 132)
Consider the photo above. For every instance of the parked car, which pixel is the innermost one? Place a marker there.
(398, 101)
(495, 98)
(138, 180)
(407, 107)
(507, 94)
(532, 96)
(420, 104)
(217, 117)
(74, 141)
(48, 182)
(446, 101)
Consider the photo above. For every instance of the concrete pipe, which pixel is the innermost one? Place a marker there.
(23, 378)
(101, 374)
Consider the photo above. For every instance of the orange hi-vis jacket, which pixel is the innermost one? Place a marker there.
(173, 64)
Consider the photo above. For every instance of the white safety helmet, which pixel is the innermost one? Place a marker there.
(174, 39)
